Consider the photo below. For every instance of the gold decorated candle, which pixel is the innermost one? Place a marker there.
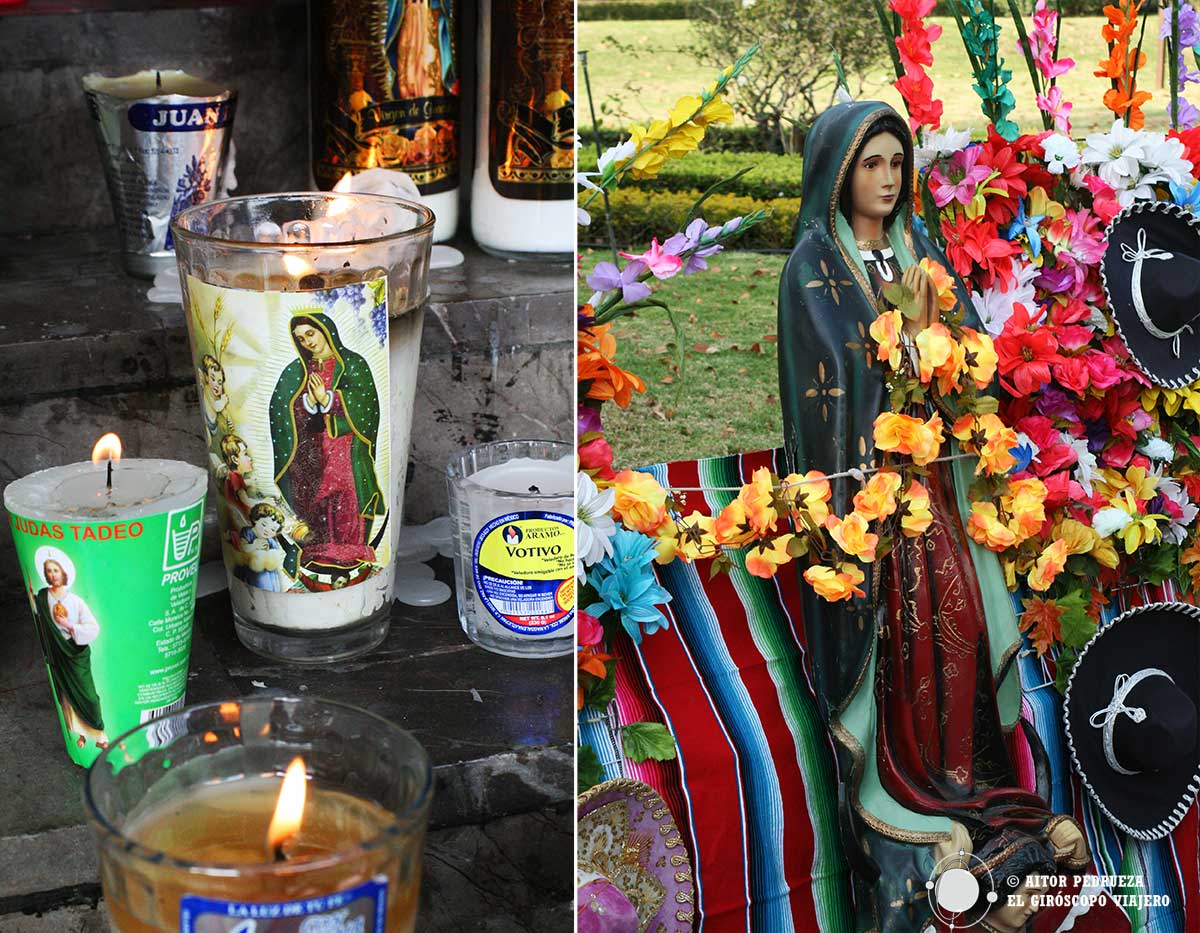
(292, 811)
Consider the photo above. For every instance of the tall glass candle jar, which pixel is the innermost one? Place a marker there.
(384, 87)
(200, 830)
(110, 572)
(305, 324)
(512, 513)
(523, 191)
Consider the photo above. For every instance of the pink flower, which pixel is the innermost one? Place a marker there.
(591, 632)
(1118, 453)
(1052, 102)
(1042, 41)
(1072, 373)
(662, 265)
(1102, 369)
(1073, 337)
(963, 179)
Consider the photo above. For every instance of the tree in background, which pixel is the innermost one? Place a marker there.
(794, 75)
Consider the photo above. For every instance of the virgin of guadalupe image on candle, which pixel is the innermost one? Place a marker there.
(915, 678)
(302, 448)
(66, 629)
(325, 429)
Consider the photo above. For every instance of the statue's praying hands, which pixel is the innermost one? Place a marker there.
(918, 281)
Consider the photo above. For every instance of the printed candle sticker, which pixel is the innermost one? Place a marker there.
(359, 910)
(524, 564)
(531, 144)
(113, 603)
(386, 94)
(294, 389)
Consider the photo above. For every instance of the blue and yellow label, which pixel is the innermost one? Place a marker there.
(524, 565)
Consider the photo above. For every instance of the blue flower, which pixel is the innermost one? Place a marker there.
(1185, 197)
(626, 585)
(1024, 455)
(1026, 224)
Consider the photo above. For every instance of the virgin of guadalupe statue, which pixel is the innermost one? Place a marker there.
(324, 427)
(915, 679)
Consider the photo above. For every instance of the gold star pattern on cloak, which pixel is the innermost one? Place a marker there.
(825, 389)
(826, 278)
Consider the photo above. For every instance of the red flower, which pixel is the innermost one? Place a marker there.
(909, 10)
(1027, 351)
(596, 458)
(1072, 373)
(1118, 453)
(915, 45)
(974, 243)
(916, 88)
(1104, 198)
(1191, 147)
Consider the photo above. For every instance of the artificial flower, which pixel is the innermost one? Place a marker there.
(979, 357)
(766, 557)
(662, 265)
(1048, 566)
(695, 537)
(606, 277)
(835, 584)
(916, 515)
(1025, 353)
(594, 525)
(985, 527)
(1061, 153)
(886, 330)
(626, 585)
(904, 434)
(732, 525)
(877, 499)
(639, 501)
(758, 499)
(808, 495)
(596, 367)
(852, 536)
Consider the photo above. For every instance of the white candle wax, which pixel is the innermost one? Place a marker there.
(151, 83)
(524, 475)
(79, 491)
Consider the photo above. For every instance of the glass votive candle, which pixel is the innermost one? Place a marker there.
(512, 512)
(200, 830)
(110, 572)
(305, 324)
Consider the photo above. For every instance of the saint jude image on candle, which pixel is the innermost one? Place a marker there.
(110, 574)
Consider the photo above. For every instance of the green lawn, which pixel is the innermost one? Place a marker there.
(638, 69)
(726, 399)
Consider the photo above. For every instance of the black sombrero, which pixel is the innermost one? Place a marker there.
(1151, 274)
(1131, 717)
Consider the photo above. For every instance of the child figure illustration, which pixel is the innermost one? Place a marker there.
(214, 400)
(239, 464)
(261, 550)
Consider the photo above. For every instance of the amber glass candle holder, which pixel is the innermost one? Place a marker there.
(304, 313)
(185, 809)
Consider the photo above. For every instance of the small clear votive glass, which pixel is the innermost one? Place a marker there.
(512, 511)
(183, 807)
(304, 314)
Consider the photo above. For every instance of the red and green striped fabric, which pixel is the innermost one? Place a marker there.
(754, 788)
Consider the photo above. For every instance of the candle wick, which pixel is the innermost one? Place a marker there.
(108, 486)
(534, 489)
(280, 855)
(158, 80)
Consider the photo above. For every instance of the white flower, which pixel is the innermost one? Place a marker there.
(995, 307)
(1085, 468)
(1107, 521)
(1157, 449)
(1118, 153)
(1164, 161)
(594, 526)
(584, 180)
(1176, 530)
(618, 153)
(582, 217)
(936, 145)
(841, 95)
(1061, 153)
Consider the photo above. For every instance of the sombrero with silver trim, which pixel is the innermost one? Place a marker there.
(1131, 717)
(1151, 275)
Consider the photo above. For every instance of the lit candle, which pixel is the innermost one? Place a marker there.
(110, 572)
(202, 827)
(512, 507)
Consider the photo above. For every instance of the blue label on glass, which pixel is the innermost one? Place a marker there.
(181, 118)
(359, 910)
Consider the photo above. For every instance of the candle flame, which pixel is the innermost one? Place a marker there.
(297, 265)
(107, 448)
(289, 811)
(345, 183)
(339, 206)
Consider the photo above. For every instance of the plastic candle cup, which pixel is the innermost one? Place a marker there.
(110, 572)
(304, 317)
(305, 814)
(512, 511)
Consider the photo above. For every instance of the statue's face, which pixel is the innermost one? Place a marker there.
(878, 177)
(55, 575)
(1013, 911)
(312, 340)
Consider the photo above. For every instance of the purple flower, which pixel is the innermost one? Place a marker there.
(1054, 403)
(607, 276)
(1056, 280)
(1098, 433)
(587, 420)
(690, 239)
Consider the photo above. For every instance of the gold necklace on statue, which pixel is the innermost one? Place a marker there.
(881, 243)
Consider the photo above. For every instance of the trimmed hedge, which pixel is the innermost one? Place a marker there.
(633, 9)
(772, 176)
(719, 138)
(639, 215)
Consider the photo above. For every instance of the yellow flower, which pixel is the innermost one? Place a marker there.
(1142, 529)
(1079, 537)
(852, 536)
(640, 503)
(1025, 503)
(905, 434)
(917, 517)
(1041, 203)
(695, 537)
(666, 542)
(732, 526)
(942, 282)
(715, 111)
(878, 498)
(809, 495)
(766, 557)
(885, 330)
(981, 357)
(985, 528)
(757, 497)
(835, 585)
(1048, 566)
(935, 348)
